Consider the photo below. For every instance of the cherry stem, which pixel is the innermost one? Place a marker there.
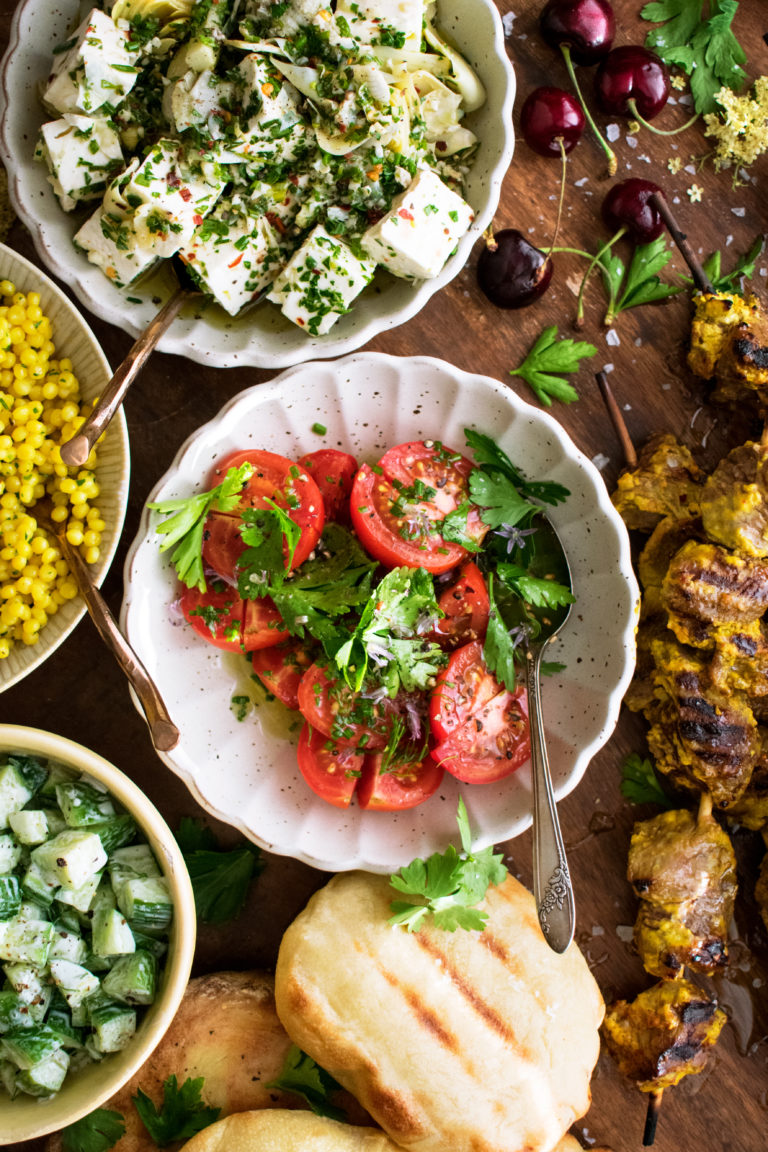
(597, 259)
(563, 166)
(491, 242)
(610, 154)
(619, 425)
(700, 278)
(631, 104)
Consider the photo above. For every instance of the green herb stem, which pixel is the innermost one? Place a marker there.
(596, 260)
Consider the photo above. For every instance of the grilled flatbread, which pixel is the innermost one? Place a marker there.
(280, 1131)
(481, 1041)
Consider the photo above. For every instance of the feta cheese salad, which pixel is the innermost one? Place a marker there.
(277, 147)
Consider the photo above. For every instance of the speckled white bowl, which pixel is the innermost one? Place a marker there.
(26, 1117)
(262, 337)
(73, 339)
(245, 773)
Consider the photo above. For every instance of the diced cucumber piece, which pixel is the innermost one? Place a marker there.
(96, 963)
(116, 831)
(135, 862)
(8, 1077)
(14, 1013)
(46, 1077)
(104, 897)
(112, 935)
(32, 989)
(14, 793)
(30, 826)
(26, 941)
(80, 1017)
(147, 903)
(132, 979)
(81, 804)
(80, 898)
(67, 917)
(70, 858)
(57, 774)
(36, 885)
(152, 944)
(27, 1047)
(32, 772)
(10, 852)
(31, 910)
(60, 1020)
(73, 981)
(67, 945)
(10, 897)
(114, 1027)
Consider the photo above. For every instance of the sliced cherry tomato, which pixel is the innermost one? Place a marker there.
(402, 786)
(330, 769)
(492, 743)
(262, 625)
(462, 687)
(274, 478)
(216, 614)
(335, 710)
(280, 669)
(397, 507)
(333, 472)
(466, 606)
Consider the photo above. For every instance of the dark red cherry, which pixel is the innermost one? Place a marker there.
(627, 206)
(587, 27)
(549, 115)
(511, 271)
(632, 74)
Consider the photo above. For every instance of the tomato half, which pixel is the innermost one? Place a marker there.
(463, 686)
(216, 614)
(403, 786)
(262, 625)
(280, 669)
(397, 507)
(330, 770)
(465, 605)
(334, 473)
(491, 744)
(334, 709)
(274, 478)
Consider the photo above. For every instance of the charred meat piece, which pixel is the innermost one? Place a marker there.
(711, 584)
(714, 318)
(740, 660)
(734, 504)
(751, 809)
(664, 1034)
(667, 538)
(666, 482)
(705, 739)
(742, 369)
(684, 870)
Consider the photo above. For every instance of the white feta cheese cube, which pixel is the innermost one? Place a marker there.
(420, 231)
(234, 257)
(199, 100)
(82, 154)
(109, 241)
(369, 19)
(320, 281)
(270, 115)
(97, 69)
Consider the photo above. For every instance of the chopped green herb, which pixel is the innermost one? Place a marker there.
(549, 361)
(181, 1114)
(300, 1074)
(220, 878)
(97, 1132)
(319, 429)
(640, 784)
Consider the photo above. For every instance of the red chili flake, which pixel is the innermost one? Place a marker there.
(406, 215)
(276, 222)
(299, 320)
(197, 220)
(236, 261)
(186, 195)
(173, 180)
(293, 179)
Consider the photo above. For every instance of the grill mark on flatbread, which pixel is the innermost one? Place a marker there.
(423, 1014)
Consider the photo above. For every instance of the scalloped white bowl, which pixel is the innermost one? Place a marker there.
(245, 772)
(262, 337)
(74, 339)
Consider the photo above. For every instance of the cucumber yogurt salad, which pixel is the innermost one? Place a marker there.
(277, 147)
(84, 921)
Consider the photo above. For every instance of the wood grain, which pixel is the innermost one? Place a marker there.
(81, 693)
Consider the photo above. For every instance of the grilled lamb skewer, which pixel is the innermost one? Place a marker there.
(734, 503)
(666, 482)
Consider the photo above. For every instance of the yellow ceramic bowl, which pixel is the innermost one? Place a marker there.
(26, 1117)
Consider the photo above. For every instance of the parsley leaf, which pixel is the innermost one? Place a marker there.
(641, 284)
(499, 647)
(500, 501)
(706, 50)
(548, 361)
(181, 1115)
(448, 884)
(640, 784)
(220, 879)
(744, 268)
(300, 1074)
(487, 454)
(538, 592)
(454, 528)
(184, 527)
(97, 1132)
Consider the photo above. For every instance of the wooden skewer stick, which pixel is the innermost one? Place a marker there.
(705, 808)
(700, 278)
(652, 1117)
(620, 428)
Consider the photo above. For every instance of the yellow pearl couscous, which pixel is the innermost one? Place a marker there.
(40, 408)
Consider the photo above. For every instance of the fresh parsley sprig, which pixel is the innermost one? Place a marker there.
(743, 269)
(640, 784)
(220, 878)
(705, 48)
(183, 530)
(180, 1116)
(97, 1132)
(448, 885)
(300, 1074)
(489, 455)
(547, 364)
(628, 287)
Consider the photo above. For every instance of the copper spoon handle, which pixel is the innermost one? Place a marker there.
(165, 734)
(76, 451)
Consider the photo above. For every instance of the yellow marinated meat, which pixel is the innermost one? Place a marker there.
(715, 315)
(683, 869)
(666, 482)
(742, 370)
(751, 809)
(734, 508)
(664, 1034)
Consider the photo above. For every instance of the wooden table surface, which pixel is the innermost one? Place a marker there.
(81, 694)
